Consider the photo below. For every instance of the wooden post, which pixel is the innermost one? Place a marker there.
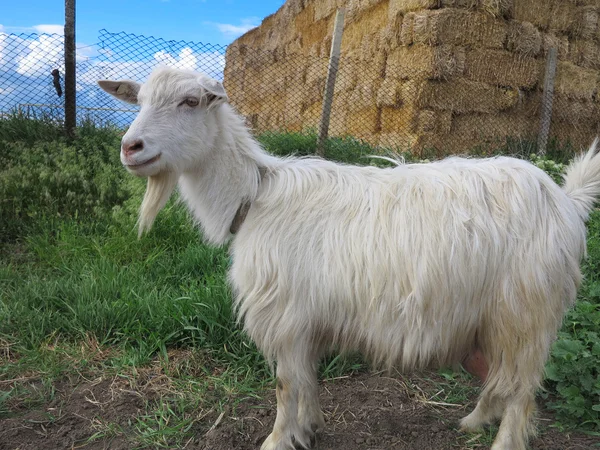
(547, 99)
(70, 60)
(334, 61)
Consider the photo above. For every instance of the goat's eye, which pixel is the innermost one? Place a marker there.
(191, 101)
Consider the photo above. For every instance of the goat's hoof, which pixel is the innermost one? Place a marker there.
(272, 442)
(471, 424)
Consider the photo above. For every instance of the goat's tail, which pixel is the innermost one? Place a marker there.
(582, 180)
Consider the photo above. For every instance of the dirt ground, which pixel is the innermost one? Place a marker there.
(366, 412)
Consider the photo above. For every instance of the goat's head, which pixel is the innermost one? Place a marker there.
(172, 131)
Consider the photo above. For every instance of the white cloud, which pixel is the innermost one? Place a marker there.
(1, 28)
(50, 29)
(42, 29)
(186, 60)
(233, 31)
(44, 54)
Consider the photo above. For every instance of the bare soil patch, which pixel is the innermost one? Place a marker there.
(365, 411)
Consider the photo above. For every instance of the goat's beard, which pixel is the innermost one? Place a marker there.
(158, 191)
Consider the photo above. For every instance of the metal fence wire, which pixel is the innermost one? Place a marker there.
(422, 99)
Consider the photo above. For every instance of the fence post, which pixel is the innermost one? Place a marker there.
(70, 91)
(547, 100)
(334, 61)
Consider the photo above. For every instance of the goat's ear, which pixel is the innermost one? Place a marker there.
(215, 92)
(124, 90)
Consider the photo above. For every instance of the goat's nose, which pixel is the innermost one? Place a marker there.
(133, 146)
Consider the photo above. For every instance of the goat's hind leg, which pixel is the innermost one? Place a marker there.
(298, 411)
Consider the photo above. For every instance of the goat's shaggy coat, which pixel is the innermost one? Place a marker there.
(415, 266)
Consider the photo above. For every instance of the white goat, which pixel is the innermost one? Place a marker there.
(418, 265)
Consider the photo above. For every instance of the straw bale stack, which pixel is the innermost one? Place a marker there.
(452, 73)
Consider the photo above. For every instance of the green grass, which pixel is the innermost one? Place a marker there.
(80, 294)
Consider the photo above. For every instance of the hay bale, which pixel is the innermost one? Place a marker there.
(497, 8)
(586, 22)
(315, 33)
(502, 68)
(575, 82)
(407, 30)
(485, 131)
(369, 26)
(392, 33)
(403, 119)
(292, 107)
(361, 98)
(362, 122)
(311, 114)
(389, 93)
(468, 4)
(533, 11)
(524, 38)
(579, 113)
(347, 76)
(316, 72)
(425, 62)
(438, 122)
(584, 53)
(406, 6)
(464, 96)
(325, 8)
(557, 16)
(398, 140)
(561, 43)
(451, 26)
(357, 9)
(563, 17)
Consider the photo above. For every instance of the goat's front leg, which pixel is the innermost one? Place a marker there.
(298, 411)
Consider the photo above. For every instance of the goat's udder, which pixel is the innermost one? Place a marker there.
(476, 364)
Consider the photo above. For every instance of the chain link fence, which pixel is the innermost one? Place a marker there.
(421, 99)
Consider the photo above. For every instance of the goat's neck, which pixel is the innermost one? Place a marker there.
(229, 177)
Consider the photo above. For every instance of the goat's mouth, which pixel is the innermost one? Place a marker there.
(145, 163)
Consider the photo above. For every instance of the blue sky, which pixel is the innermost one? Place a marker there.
(207, 21)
